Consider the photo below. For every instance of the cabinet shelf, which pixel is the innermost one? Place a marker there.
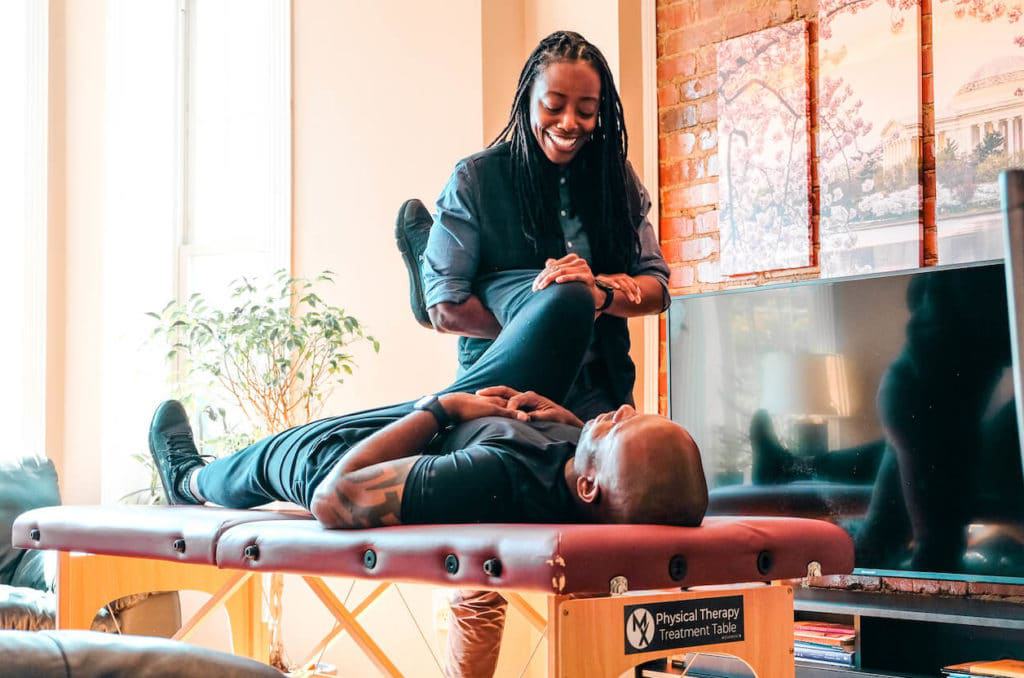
(909, 607)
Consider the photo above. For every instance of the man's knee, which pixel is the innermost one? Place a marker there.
(569, 302)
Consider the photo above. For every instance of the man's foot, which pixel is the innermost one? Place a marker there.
(412, 228)
(772, 463)
(174, 451)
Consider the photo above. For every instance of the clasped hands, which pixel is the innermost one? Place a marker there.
(503, 401)
(573, 268)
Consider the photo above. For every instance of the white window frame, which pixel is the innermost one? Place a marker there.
(185, 249)
(156, 221)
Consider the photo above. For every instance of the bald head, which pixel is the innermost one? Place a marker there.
(659, 477)
(646, 469)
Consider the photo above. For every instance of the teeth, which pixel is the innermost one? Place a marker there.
(563, 143)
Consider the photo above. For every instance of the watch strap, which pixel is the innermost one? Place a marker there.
(433, 405)
(609, 295)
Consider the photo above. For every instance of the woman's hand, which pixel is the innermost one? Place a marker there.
(622, 282)
(570, 268)
(536, 406)
(469, 406)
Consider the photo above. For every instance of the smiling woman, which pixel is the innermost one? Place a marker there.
(553, 195)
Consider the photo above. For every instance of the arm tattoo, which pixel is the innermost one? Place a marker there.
(372, 496)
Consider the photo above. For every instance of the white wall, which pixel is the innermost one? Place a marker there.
(386, 100)
(76, 215)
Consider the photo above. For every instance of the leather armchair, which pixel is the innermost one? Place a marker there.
(87, 654)
(27, 577)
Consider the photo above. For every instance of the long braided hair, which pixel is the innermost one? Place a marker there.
(603, 191)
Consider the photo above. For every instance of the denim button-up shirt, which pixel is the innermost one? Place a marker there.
(469, 202)
(478, 234)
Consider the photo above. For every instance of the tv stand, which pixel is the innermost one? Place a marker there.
(909, 635)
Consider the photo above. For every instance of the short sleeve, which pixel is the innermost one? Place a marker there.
(470, 485)
(453, 249)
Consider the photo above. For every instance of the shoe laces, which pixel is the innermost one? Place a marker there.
(181, 447)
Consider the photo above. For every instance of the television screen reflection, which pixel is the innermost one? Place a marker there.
(884, 404)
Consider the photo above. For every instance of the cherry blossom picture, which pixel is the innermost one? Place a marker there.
(979, 121)
(869, 136)
(763, 139)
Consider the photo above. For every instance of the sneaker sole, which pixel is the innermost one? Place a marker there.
(412, 267)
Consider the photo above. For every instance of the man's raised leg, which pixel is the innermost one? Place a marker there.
(540, 349)
(542, 343)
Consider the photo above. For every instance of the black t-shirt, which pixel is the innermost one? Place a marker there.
(494, 470)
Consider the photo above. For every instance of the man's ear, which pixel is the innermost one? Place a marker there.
(588, 488)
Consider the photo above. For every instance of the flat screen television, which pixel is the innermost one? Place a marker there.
(882, 403)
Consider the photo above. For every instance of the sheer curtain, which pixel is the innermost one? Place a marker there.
(23, 123)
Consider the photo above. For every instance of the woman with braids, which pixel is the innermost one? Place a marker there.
(551, 200)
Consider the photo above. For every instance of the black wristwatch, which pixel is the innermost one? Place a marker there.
(609, 295)
(431, 403)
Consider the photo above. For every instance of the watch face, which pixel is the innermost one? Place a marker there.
(424, 401)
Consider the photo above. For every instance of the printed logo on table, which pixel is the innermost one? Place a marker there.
(640, 628)
(652, 627)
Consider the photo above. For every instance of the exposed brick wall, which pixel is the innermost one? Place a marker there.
(688, 32)
(929, 240)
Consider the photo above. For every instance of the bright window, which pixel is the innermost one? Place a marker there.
(23, 123)
(198, 181)
(238, 152)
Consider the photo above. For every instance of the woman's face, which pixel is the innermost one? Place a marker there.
(563, 108)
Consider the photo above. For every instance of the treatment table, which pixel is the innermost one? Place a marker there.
(618, 595)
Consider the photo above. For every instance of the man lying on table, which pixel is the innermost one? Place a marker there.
(492, 447)
(476, 452)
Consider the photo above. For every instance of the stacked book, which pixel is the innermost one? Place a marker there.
(1003, 668)
(824, 643)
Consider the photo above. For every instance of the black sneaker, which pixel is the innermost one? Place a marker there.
(174, 451)
(412, 229)
(772, 463)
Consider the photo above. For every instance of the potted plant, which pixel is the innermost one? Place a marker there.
(275, 354)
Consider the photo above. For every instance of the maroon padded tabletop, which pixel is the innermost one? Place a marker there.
(185, 533)
(548, 558)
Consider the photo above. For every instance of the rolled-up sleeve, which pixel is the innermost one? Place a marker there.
(453, 249)
(650, 262)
